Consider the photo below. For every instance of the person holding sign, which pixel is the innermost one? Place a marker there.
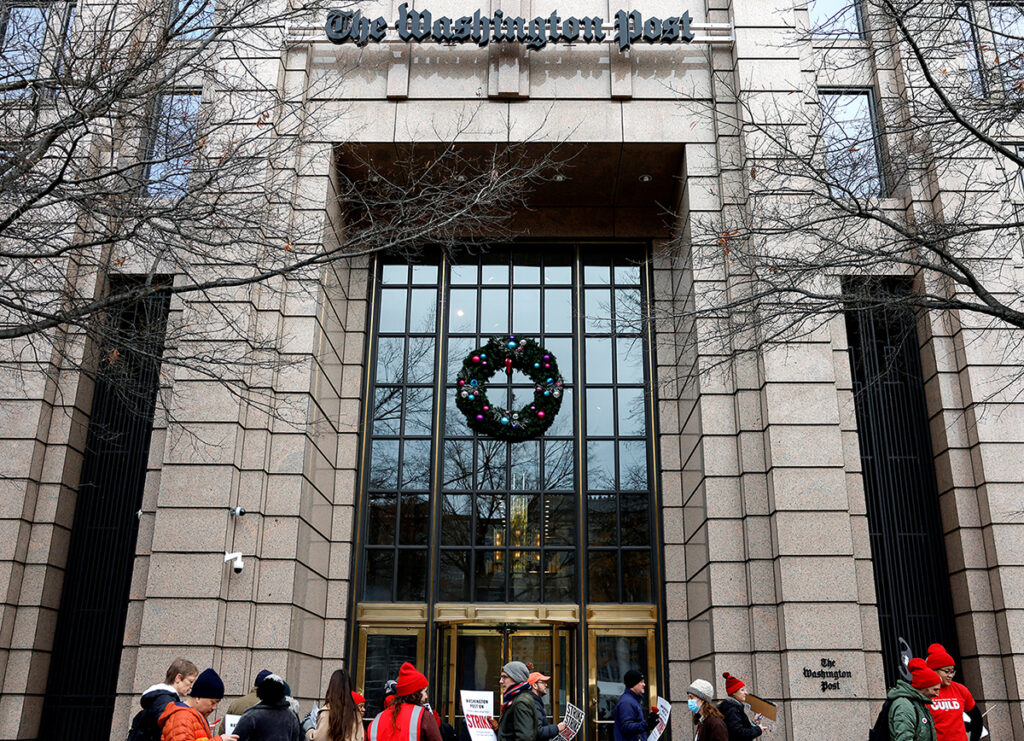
(518, 719)
(632, 721)
(406, 719)
(539, 688)
(736, 720)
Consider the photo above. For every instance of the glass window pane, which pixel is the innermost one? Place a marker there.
(601, 519)
(384, 464)
(600, 464)
(563, 424)
(490, 520)
(458, 464)
(390, 360)
(636, 576)
(628, 311)
(411, 579)
(459, 349)
(392, 310)
(387, 410)
(526, 266)
(836, 18)
(597, 310)
(419, 410)
(603, 578)
(626, 275)
(634, 514)
(633, 465)
(561, 349)
(494, 271)
(415, 524)
(559, 576)
(559, 519)
(456, 519)
(385, 654)
(526, 311)
(631, 412)
(464, 274)
(615, 656)
(380, 574)
(600, 412)
(524, 520)
(558, 464)
(22, 47)
(193, 19)
(1008, 30)
(392, 274)
(597, 274)
(629, 359)
(849, 143)
(454, 577)
(424, 274)
(416, 465)
(969, 34)
(462, 313)
(525, 465)
(420, 368)
(491, 459)
(494, 312)
(172, 145)
(423, 310)
(489, 576)
(381, 518)
(557, 271)
(597, 366)
(524, 576)
(557, 311)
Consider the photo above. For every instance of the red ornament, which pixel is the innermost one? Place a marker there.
(540, 415)
(508, 366)
(476, 358)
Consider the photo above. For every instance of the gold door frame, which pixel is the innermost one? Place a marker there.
(649, 632)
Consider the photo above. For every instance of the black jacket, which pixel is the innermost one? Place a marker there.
(269, 722)
(154, 701)
(544, 732)
(736, 720)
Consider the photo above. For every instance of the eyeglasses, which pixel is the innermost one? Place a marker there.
(947, 670)
(504, 676)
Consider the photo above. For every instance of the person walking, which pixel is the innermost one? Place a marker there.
(186, 721)
(953, 701)
(708, 722)
(177, 682)
(271, 718)
(518, 720)
(243, 703)
(539, 688)
(909, 718)
(632, 721)
(736, 721)
(406, 719)
(340, 718)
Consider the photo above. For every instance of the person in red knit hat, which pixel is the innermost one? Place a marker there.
(909, 719)
(406, 713)
(948, 707)
(736, 720)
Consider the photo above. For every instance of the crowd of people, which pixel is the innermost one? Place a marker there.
(930, 707)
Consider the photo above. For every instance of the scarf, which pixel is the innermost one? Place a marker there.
(512, 693)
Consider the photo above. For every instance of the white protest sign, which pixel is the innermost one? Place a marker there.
(230, 721)
(664, 708)
(478, 707)
(573, 721)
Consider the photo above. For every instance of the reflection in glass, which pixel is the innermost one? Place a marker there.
(384, 464)
(454, 577)
(415, 519)
(416, 464)
(597, 308)
(631, 412)
(491, 460)
(600, 412)
(423, 310)
(555, 274)
(524, 520)
(558, 464)
(596, 274)
(615, 656)
(424, 274)
(627, 274)
(489, 576)
(380, 568)
(463, 274)
(600, 464)
(524, 576)
(526, 266)
(458, 464)
(411, 579)
(392, 310)
(525, 465)
(456, 519)
(561, 348)
(632, 465)
(628, 311)
(603, 577)
(384, 656)
(636, 576)
(493, 272)
(629, 359)
(418, 410)
(635, 518)
(598, 361)
(559, 576)
(490, 520)
(493, 311)
(601, 522)
(387, 410)
(525, 311)
(559, 519)
(458, 350)
(390, 360)
(421, 360)
(462, 312)
(563, 424)
(392, 274)
(382, 518)
(557, 311)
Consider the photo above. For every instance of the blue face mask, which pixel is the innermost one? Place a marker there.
(694, 705)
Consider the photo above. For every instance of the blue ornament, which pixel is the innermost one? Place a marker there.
(547, 393)
(483, 355)
(536, 365)
(550, 380)
(504, 420)
(473, 382)
(511, 344)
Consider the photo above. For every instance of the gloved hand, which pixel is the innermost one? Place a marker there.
(652, 721)
(309, 723)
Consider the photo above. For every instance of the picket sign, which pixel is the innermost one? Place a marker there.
(664, 708)
(478, 707)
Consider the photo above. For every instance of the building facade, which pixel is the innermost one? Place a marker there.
(764, 520)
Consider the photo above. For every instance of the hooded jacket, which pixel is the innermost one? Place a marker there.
(736, 720)
(269, 721)
(154, 700)
(909, 716)
(183, 723)
(545, 732)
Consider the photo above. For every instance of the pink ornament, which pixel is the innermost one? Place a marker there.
(476, 358)
(462, 382)
(540, 415)
(487, 408)
(547, 365)
(538, 388)
(479, 416)
(547, 357)
(532, 407)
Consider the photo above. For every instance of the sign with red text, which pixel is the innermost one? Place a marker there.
(478, 707)
(664, 708)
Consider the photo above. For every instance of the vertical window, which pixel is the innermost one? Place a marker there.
(191, 19)
(1008, 30)
(972, 48)
(835, 18)
(172, 145)
(850, 144)
(24, 29)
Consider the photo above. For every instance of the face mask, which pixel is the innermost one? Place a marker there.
(694, 705)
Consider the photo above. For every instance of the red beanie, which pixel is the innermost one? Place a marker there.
(938, 657)
(922, 675)
(732, 684)
(357, 698)
(410, 680)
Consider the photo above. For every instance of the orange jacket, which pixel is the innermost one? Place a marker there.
(182, 723)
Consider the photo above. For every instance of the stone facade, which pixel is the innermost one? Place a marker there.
(766, 549)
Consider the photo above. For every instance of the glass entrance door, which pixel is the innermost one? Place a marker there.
(472, 657)
(613, 652)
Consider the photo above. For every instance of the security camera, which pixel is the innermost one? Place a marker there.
(237, 511)
(237, 564)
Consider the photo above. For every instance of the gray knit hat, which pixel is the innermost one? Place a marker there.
(516, 671)
(701, 688)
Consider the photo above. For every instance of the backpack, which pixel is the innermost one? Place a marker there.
(145, 726)
(880, 731)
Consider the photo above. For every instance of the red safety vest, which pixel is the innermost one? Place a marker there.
(409, 717)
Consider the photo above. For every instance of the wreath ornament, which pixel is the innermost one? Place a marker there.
(508, 353)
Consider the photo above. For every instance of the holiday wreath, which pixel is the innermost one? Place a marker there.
(508, 353)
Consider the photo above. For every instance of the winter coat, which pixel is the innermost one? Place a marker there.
(519, 721)
(909, 716)
(154, 701)
(736, 721)
(322, 730)
(545, 731)
(711, 729)
(237, 707)
(630, 718)
(182, 723)
(269, 722)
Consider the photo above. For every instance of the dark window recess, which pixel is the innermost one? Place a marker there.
(90, 624)
(907, 547)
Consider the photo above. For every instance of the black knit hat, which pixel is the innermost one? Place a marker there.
(208, 684)
(271, 689)
(632, 678)
(264, 673)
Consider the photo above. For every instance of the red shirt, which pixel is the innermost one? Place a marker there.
(948, 710)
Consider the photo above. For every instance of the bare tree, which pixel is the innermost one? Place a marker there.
(149, 148)
(826, 192)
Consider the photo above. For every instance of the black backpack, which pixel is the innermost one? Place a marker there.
(880, 731)
(145, 726)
